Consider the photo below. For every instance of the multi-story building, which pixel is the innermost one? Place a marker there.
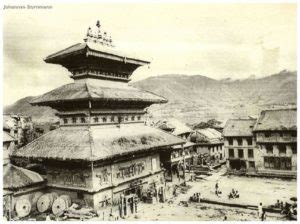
(179, 159)
(240, 145)
(103, 154)
(210, 140)
(276, 138)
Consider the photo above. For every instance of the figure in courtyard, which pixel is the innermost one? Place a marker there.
(260, 211)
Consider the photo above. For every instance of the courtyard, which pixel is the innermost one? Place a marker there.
(252, 191)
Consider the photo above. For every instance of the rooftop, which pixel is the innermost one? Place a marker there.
(17, 177)
(97, 142)
(7, 137)
(279, 120)
(96, 91)
(239, 127)
(207, 135)
(174, 125)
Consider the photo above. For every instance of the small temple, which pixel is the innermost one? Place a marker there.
(102, 154)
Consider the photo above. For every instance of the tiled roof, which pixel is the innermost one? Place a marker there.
(96, 92)
(96, 142)
(207, 135)
(281, 119)
(16, 177)
(7, 137)
(103, 51)
(239, 127)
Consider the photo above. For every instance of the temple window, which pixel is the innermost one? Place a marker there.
(112, 119)
(282, 149)
(65, 120)
(96, 119)
(126, 118)
(132, 118)
(82, 120)
(139, 118)
(104, 119)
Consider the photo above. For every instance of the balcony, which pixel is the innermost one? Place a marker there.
(272, 139)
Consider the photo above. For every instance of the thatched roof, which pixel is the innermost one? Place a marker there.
(7, 137)
(17, 177)
(96, 92)
(239, 127)
(207, 135)
(90, 48)
(96, 142)
(277, 120)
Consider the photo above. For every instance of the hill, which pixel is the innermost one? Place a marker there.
(198, 98)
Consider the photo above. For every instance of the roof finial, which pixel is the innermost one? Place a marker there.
(98, 24)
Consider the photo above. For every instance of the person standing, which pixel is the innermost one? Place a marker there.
(260, 211)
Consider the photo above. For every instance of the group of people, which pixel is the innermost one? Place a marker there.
(196, 197)
(234, 194)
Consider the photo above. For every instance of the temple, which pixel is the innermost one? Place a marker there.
(103, 154)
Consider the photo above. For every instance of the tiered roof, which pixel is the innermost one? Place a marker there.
(97, 142)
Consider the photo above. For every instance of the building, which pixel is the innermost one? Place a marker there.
(179, 160)
(102, 155)
(276, 137)
(8, 145)
(209, 146)
(19, 127)
(240, 145)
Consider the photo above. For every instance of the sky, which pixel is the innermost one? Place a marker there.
(215, 40)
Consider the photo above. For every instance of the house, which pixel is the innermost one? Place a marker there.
(102, 155)
(178, 161)
(209, 146)
(240, 145)
(276, 138)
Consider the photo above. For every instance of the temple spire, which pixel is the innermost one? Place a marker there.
(95, 35)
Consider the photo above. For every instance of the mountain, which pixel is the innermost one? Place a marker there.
(197, 98)
(38, 114)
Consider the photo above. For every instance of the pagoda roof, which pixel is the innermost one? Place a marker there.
(97, 50)
(96, 92)
(93, 143)
(17, 177)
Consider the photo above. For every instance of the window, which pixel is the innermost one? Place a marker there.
(240, 141)
(249, 141)
(267, 134)
(139, 118)
(96, 119)
(250, 153)
(153, 163)
(282, 149)
(74, 120)
(126, 118)
(82, 120)
(231, 152)
(294, 148)
(65, 120)
(251, 164)
(230, 141)
(278, 163)
(294, 134)
(80, 195)
(112, 119)
(132, 118)
(281, 134)
(104, 119)
(241, 153)
(269, 149)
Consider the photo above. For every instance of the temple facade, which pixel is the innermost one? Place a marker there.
(102, 155)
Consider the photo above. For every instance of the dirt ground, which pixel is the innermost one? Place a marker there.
(252, 191)
(197, 212)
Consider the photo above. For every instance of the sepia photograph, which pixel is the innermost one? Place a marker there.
(149, 111)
